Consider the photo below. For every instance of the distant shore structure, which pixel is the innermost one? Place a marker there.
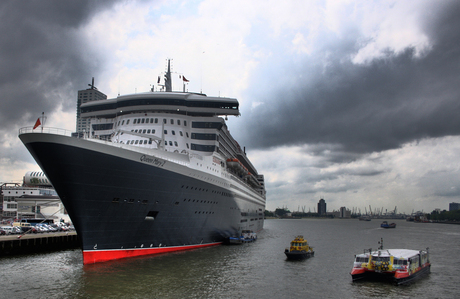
(85, 96)
(453, 206)
(322, 207)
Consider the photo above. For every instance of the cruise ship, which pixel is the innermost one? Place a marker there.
(157, 172)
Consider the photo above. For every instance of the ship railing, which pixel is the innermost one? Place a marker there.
(241, 181)
(48, 130)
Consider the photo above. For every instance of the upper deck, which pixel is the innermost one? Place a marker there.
(185, 103)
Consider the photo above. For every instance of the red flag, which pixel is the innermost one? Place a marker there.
(37, 123)
(185, 80)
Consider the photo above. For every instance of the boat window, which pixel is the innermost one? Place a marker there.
(143, 120)
(127, 122)
(170, 143)
(178, 122)
(186, 145)
(173, 132)
(156, 120)
(175, 143)
(180, 132)
(145, 141)
(164, 120)
(137, 141)
(166, 132)
(153, 131)
(186, 133)
(172, 121)
(143, 131)
(360, 259)
(148, 131)
(185, 123)
(134, 122)
(123, 122)
(166, 142)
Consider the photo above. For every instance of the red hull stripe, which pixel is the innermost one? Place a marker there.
(97, 256)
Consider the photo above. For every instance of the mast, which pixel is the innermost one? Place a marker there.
(168, 82)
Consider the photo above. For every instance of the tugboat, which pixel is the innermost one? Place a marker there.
(399, 266)
(386, 225)
(299, 249)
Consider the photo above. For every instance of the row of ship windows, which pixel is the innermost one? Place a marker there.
(151, 121)
(150, 142)
(131, 200)
(206, 190)
(246, 220)
(202, 201)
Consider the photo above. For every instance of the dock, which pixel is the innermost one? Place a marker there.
(34, 243)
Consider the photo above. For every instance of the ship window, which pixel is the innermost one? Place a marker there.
(185, 123)
(151, 215)
(145, 141)
(148, 131)
(175, 143)
(166, 132)
(137, 141)
(150, 141)
(187, 145)
(143, 131)
(153, 131)
(131, 200)
(123, 122)
(170, 143)
(181, 134)
(172, 121)
(134, 122)
(186, 133)
(178, 122)
(164, 120)
(166, 142)
(173, 132)
(156, 120)
(127, 122)
(143, 120)
(116, 199)
(145, 201)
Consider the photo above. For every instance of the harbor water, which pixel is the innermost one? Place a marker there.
(254, 270)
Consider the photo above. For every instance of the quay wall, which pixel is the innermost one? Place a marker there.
(28, 244)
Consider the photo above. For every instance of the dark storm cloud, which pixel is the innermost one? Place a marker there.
(364, 108)
(43, 60)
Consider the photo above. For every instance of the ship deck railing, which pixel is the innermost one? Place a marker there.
(49, 130)
(68, 133)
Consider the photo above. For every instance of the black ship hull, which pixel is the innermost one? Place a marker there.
(124, 203)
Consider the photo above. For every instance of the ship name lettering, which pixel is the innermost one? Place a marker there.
(154, 161)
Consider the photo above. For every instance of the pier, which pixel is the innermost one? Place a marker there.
(33, 243)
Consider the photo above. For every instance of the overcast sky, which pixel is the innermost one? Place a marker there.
(356, 102)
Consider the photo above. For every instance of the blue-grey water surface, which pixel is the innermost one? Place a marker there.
(256, 270)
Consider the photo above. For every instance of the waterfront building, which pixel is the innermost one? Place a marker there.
(453, 206)
(344, 213)
(321, 207)
(85, 96)
(35, 198)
